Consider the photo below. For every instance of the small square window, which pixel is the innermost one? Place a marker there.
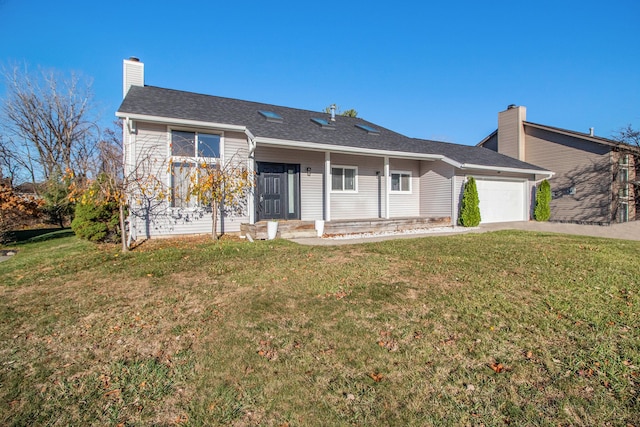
(344, 178)
(401, 182)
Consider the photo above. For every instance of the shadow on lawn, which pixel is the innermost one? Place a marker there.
(38, 235)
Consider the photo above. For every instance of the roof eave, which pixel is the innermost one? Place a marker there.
(184, 122)
(315, 146)
(547, 173)
(488, 137)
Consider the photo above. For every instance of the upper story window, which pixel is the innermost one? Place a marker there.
(344, 178)
(188, 149)
(624, 176)
(400, 182)
(195, 144)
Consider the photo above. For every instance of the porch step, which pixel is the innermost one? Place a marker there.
(301, 229)
(359, 226)
(286, 229)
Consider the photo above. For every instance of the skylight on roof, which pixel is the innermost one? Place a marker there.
(324, 123)
(368, 129)
(271, 116)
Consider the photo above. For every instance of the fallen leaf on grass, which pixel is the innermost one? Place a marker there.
(497, 367)
(377, 377)
(115, 392)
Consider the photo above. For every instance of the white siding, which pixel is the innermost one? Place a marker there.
(368, 202)
(435, 189)
(402, 204)
(153, 215)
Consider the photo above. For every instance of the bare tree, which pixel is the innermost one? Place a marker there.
(48, 123)
(628, 135)
(138, 189)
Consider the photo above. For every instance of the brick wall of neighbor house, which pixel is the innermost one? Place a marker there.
(311, 185)
(624, 161)
(401, 204)
(368, 202)
(582, 186)
(435, 189)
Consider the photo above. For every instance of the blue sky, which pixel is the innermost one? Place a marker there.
(435, 70)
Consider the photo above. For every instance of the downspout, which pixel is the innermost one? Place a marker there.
(251, 203)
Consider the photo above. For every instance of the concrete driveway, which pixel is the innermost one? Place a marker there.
(626, 231)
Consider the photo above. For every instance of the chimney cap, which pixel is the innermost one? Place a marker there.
(511, 106)
(134, 59)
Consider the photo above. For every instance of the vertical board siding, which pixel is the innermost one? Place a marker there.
(402, 204)
(435, 189)
(368, 202)
(311, 185)
(579, 165)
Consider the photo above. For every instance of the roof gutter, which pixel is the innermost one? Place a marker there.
(546, 173)
(184, 122)
(314, 146)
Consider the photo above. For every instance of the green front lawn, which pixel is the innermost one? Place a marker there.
(505, 328)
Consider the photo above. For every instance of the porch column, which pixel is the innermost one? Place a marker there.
(387, 184)
(327, 186)
(251, 202)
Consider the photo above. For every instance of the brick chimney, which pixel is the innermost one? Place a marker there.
(511, 131)
(132, 74)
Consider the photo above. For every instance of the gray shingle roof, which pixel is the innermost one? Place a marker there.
(297, 125)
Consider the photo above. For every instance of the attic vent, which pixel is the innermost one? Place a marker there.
(271, 116)
(325, 124)
(369, 129)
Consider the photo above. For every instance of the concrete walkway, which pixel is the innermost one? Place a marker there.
(625, 231)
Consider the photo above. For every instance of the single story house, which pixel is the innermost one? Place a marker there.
(596, 179)
(309, 165)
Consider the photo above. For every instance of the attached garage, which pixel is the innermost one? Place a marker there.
(502, 200)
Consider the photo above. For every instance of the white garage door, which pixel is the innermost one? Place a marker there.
(501, 201)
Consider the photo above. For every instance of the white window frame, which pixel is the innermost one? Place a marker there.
(192, 160)
(624, 212)
(355, 178)
(624, 175)
(401, 191)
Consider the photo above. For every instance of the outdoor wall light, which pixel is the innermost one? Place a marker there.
(308, 171)
(377, 173)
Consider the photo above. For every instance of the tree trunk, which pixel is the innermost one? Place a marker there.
(123, 231)
(214, 222)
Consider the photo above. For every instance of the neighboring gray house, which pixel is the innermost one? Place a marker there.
(309, 165)
(595, 178)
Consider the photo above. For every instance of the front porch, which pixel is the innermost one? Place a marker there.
(301, 229)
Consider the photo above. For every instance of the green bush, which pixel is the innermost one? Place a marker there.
(470, 208)
(96, 220)
(542, 211)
